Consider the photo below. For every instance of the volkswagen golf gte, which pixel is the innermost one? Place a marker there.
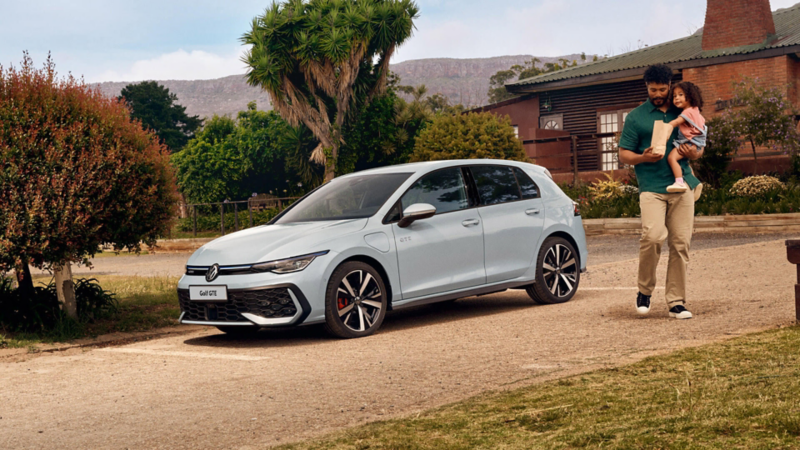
(389, 238)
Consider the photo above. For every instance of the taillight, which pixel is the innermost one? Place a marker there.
(577, 208)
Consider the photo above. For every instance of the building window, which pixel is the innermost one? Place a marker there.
(610, 122)
(552, 122)
(516, 130)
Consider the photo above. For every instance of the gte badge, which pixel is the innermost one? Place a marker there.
(208, 293)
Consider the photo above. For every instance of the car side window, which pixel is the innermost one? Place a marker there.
(526, 185)
(496, 184)
(444, 189)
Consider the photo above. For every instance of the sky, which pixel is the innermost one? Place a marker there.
(116, 40)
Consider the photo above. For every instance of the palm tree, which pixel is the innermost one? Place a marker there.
(322, 61)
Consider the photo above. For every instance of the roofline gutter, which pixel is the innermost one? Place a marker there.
(638, 72)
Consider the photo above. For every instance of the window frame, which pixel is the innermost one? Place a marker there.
(472, 190)
(480, 201)
(471, 202)
(621, 112)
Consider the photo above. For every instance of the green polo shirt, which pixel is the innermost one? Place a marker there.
(636, 136)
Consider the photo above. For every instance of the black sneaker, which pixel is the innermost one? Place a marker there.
(679, 312)
(642, 303)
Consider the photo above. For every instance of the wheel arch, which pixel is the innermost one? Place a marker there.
(381, 270)
(570, 239)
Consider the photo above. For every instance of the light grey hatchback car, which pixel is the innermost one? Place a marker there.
(390, 238)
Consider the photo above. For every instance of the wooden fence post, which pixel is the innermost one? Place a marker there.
(575, 177)
(793, 254)
(222, 218)
(250, 213)
(236, 216)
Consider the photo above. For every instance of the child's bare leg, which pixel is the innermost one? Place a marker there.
(673, 159)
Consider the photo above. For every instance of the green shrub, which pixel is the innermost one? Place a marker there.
(42, 312)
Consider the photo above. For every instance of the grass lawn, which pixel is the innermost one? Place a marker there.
(742, 393)
(145, 303)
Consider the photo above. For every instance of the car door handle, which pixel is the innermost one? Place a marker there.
(531, 211)
(470, 222)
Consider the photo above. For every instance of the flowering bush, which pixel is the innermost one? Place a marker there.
(627, 189)
(755, 186)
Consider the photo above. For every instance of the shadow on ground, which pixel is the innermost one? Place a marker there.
(403, 319)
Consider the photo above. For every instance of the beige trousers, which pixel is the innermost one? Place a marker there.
(671, 217)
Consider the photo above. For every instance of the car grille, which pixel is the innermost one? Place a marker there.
(269, 303)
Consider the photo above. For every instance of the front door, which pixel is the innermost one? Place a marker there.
(444, 252)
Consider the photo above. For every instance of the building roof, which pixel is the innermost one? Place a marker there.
(686, 50)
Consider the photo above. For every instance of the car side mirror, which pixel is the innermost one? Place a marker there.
(417, 211)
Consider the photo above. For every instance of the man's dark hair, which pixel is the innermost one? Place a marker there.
(692, 93)
(658, 73)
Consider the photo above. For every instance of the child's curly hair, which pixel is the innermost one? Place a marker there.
(692, 92)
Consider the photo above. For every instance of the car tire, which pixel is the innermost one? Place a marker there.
(238, 331)
(558, 272)
(355, 301)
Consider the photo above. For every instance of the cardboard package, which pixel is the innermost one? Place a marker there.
(661, 133)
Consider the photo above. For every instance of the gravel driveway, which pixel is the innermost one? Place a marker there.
(207, 390)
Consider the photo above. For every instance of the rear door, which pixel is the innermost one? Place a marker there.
(444, 252)
(513, 217)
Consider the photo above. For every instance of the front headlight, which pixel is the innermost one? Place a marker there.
(287, 265)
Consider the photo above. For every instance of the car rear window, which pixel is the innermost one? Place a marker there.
(526, 185)
(496, 184)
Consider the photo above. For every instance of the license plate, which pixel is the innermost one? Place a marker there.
(208, 293)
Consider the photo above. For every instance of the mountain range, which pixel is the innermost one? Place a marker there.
(464, 81)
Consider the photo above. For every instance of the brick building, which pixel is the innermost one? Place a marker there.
(559, 114)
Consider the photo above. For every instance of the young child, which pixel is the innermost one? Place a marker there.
(691, 128)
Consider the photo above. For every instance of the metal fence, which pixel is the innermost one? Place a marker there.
(252, 204)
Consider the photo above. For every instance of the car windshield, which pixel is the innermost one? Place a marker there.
(353, 197)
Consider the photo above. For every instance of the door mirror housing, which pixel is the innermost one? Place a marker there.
(417, 211)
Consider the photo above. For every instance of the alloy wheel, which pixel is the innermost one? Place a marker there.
(560, 270)
(358, 300)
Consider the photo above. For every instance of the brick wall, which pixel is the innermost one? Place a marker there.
(733, 23)
(716, 81)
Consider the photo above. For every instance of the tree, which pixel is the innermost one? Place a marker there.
(468, 136)
(766, 118)
(323, 61)
(385, 134)
(158, 110)
(76, 172)
(257, 152)
(529, 69)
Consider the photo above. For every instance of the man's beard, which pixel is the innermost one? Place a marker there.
(658, 101)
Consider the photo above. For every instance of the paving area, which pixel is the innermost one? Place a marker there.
(207, 390)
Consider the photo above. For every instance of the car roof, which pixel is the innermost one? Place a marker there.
(427, 166)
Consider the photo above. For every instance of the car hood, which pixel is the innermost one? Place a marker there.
(271, 242)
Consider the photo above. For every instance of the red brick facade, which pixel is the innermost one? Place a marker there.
(734, 23)
(716, 82)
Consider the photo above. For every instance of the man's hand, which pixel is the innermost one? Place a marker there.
(689, 151)
(649, 156)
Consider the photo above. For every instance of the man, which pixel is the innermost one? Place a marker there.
(664, 215)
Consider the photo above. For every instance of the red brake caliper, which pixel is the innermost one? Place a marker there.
(343, 302)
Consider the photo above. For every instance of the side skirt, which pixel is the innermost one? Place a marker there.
(480, 290)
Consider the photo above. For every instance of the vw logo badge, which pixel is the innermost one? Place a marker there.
(212, 273)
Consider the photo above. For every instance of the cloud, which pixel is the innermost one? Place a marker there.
(178, 65)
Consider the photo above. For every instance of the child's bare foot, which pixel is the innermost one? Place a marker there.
(677, 186)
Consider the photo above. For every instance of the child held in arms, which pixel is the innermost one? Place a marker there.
(691, 127)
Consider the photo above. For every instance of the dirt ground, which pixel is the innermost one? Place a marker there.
(206, 390)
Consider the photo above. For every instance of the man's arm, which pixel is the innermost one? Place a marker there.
(632, 158)
(690, 151)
